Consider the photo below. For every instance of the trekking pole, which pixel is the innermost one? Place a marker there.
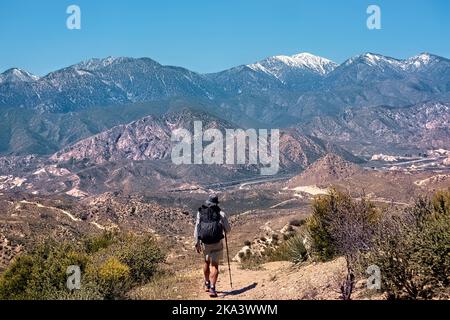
(228, 258)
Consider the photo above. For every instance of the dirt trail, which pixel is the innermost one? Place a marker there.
(276, 280)
(67, 213)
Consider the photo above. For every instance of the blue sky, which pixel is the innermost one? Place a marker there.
(212, 35)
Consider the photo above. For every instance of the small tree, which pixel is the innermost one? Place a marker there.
(323, 209)
(342, 226)
(352, 231)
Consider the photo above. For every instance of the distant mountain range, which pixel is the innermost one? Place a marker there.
(370, 103)
(299, 82)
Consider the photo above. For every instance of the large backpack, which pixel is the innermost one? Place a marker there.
(210, 230)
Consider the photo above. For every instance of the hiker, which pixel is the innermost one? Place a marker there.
(208, 234)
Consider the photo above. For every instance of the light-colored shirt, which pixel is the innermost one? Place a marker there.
(223, 221)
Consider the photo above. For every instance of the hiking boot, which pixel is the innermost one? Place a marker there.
(212, 292)
(207, 286)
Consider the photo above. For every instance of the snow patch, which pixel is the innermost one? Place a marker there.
(278, 65)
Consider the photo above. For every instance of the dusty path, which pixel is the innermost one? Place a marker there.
(269, 281)
(275, 280)
(46, 207)
(280, 281)
(67, 213)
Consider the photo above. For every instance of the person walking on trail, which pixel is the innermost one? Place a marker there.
(208, 234)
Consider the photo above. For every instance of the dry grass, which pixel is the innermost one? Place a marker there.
(166, 286)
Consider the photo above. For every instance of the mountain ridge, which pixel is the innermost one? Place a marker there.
(279, 80)
(302, 91)
(92, 62)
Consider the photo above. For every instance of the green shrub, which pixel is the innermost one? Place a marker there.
(110, 265)
(41, 273)
(13, 282)
(340, 225)
(441, 203)
(292, 250)
(413, 250)
(141, 254)
(96, 243)
(323, 209)
(112, 277)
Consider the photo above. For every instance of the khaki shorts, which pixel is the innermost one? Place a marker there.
(213, 252)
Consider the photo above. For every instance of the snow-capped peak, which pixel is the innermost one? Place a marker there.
(316, 63)
(96, 63)
(373, 59)
(419, 61)
(17, 75)
(412, 64)
(278, 65)
(425, 58)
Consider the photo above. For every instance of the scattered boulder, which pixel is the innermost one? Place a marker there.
(447, 161)
(260, 246)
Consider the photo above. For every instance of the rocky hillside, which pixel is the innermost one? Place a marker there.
(149, 138)
(298, 151)
(367, 131)
(26, 219)
(145, 139)
(136, 214)
(326, 170)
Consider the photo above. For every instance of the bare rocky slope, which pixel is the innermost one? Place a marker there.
(149, 139)
(326, 170)
(383, 129)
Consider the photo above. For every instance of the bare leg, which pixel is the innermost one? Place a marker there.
(214, 273)
(206, 271)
